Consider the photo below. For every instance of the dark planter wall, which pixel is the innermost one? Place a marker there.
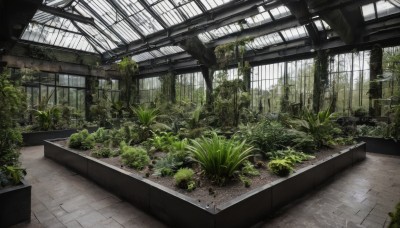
(37, 138)
(15, 205)
(381, 145)
(178, 210)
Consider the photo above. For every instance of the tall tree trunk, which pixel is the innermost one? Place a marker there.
(320, 80)
(375, 88)
(208, 75)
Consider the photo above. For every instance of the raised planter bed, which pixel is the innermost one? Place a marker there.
(381, 145)
(37, 137)
(15, 204)
(178, 210)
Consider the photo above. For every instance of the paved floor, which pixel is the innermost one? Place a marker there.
(359, 197)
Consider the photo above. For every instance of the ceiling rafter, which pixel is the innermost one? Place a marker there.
(104, 22)
(201, 6)
(185, 18)
(124, 15)
(70, 16)
(230, 13)
(153, 14)
(93, 42)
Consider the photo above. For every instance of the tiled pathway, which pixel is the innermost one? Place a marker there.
(359, 197)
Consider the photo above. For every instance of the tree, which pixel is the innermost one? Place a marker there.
(128, 69)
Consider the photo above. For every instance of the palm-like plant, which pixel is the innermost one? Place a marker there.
(219, 157)
(319, 125)
(146, 116)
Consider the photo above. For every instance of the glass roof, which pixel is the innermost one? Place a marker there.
(52, 30)
(378, 9)
(256, 20)
(164, 51)
(294, 33)
(138, 23)
(263, 41)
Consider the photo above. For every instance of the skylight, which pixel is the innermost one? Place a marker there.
(163, 51)
(378, 9)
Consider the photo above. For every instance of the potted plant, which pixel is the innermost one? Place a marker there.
(15, 193)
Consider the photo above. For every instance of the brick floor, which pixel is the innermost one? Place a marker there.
(361, 196)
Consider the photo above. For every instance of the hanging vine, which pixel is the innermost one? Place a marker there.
(128, 69)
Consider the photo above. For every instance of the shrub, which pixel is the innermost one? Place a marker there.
(248, 169)
(146, 116)
(395, 217)
(280, 167)
(101, 135)
(104, 152)
(174, 160)
(245, 180)
(134, 157)
(184, 179)
(82, 140)
(219, 157)
(289, 154)
(11, 103)
(320, 126)
(270, 136)
(163, 141)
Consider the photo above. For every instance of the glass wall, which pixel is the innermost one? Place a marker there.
(300, 82)
(149, 88)
(349, 81)
(50, 89)
(267, 84)
(391, 78)
(111, 87)
(191, 88)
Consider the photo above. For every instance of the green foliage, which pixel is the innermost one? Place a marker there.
(245, 180)
(395, 217)
(175, 159)
(82, 140)
(184, 179)
(101, 135)
(289, 154)
(270, 136)
(230, 101)
(134, 157)
(12, 102)
(128, 69)
(163, 141)
(11, 175)
(129, 133)
(47, 119)
(104, 152)
(146, 116)
(248, 169)
(280, 167)
(320, 126)
(220, 158)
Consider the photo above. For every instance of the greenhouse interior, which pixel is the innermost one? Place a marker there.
(200, 113)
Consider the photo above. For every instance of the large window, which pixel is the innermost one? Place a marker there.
(149, 88)
(111, 87)
(301, 82)
(267, 87)
(191, 88)
(349, 81)
(50, 89)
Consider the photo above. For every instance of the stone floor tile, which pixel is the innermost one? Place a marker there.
(91, 219)
(73, 224)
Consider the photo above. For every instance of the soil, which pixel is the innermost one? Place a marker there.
(208, 193)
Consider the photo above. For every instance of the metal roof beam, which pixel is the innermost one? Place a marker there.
(104, 22)
(126, 17)
(66, 15)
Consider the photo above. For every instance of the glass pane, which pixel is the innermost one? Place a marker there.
(368, 12)
(73, 97)
(62, 80)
